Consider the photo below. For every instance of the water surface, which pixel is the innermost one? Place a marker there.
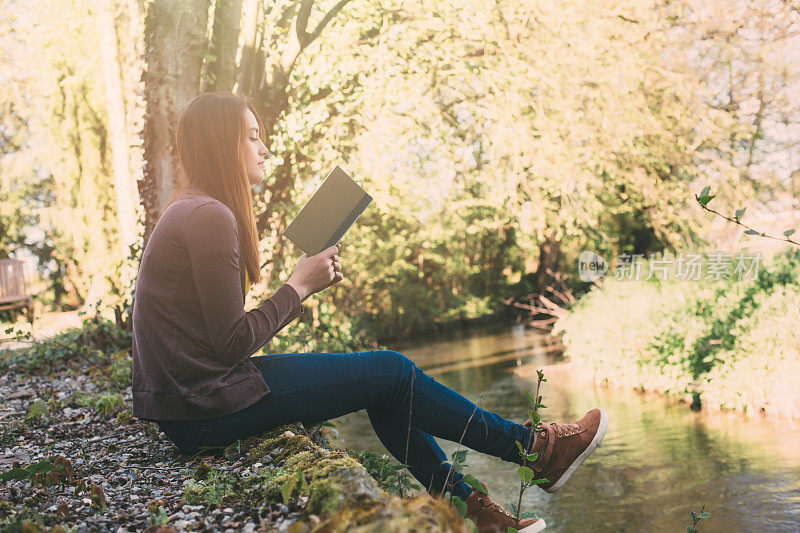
(658, 462)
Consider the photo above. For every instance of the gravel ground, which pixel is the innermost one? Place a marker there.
(126, 462)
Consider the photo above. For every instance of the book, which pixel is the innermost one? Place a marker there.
(330, 212)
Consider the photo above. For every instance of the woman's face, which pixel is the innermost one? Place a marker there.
(255, 150)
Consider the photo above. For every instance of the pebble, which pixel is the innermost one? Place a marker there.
(129, 490)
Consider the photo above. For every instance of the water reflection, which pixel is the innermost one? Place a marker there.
(658, 462)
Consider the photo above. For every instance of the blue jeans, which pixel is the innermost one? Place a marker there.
(313, 387)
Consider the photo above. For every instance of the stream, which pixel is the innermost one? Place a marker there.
(658, 461)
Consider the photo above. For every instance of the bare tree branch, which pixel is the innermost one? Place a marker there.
(326, 19)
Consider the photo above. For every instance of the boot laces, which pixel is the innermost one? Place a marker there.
(499, 509)
(494, 507)
(565, 429)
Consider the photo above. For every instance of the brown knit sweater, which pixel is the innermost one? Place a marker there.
(192, 338)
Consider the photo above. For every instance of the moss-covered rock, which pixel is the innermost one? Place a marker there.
(341, 494)
(393, 515)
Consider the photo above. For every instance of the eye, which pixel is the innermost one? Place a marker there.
(254, 139)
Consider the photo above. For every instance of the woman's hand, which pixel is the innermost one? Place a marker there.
(318, 272)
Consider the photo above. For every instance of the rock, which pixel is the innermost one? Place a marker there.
(344, 486)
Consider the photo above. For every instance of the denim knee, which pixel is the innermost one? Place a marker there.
(399, 363)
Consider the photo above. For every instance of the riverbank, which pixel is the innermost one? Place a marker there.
(716, 344)
(73, 458)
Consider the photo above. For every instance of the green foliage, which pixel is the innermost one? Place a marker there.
(704, 198)
(460, 506)
(457, 465)
(158, 516)
(334, 332)
(696, 517)
(475, 483)
(289, 485)
(42, 467)
(391, 476)
(106, 404)
(98, 342)
(214, 489)
(39, 409)
(525, 473)
(24, 521)
(10, 434)
(727, 341)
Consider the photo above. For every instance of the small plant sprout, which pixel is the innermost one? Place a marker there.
(299, 482)
(526, 474)
(696, 517)
(705, 197)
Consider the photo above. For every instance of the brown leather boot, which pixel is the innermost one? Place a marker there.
(489, 517)
(562, 448)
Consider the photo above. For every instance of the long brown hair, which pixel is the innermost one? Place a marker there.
(210, 141)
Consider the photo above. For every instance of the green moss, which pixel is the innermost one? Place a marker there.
(340, 490)
(395, 514)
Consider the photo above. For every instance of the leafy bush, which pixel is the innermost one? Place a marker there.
(731, 342)
(93, 342)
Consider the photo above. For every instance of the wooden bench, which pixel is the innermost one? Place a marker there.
(13, 291)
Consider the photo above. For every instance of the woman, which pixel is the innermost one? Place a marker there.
(192, 370)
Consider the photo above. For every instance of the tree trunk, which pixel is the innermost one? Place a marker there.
(224, 43)
(115, 108)
(175, 43)
(549, 257)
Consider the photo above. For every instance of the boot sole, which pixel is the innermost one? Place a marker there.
(537, 526)
(598, 437)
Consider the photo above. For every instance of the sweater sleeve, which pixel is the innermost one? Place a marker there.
(212, 239)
